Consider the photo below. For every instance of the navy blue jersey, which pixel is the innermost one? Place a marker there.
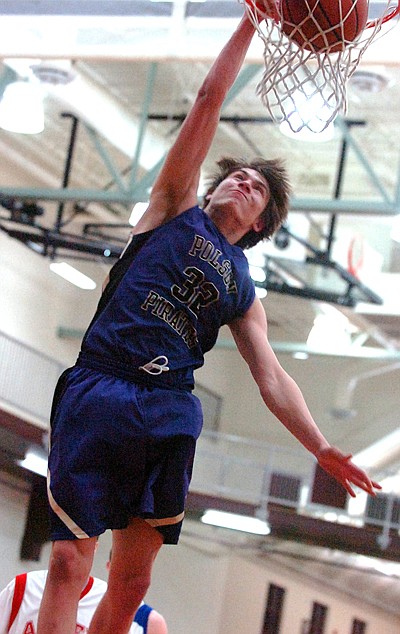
(169, 294)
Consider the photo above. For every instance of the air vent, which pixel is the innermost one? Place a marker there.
(56, 74)
(369, 82)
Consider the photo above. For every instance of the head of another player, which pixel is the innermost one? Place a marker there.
(276, 210)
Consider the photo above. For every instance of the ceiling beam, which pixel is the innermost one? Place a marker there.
(319, 205)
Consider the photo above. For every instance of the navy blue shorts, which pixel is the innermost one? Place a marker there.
(118, 451)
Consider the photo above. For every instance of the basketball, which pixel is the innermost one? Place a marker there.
(323, 25)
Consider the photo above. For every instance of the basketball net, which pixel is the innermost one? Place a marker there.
(307, 89)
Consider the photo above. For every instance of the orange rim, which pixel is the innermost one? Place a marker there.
(395, 11)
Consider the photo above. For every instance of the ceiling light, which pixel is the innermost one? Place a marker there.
(301, 356)
(72, 275)
(261, 292)
(331, 330)
(137, 212)
(35, 462)
(55, 72)
(370, 81)
(21, 108)
(257, 273)
(236, 522)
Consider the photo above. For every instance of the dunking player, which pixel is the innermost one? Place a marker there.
(124, 420)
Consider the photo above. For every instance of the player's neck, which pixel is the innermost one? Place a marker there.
(225, 223)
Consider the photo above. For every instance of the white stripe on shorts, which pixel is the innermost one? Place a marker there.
(165, 521)
(69, 523)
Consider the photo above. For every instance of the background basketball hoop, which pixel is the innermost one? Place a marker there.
(355, 256)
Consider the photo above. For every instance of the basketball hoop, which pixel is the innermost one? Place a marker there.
(305, 77)
(355, 256)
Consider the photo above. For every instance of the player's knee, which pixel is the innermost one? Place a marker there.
(140, 585)
(68, 564)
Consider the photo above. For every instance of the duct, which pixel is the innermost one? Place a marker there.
(347, 385)
(382, 454)
(353, 352)
(99, 110)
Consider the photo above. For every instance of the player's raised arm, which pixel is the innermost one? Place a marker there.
(175, 189)
(284, 399)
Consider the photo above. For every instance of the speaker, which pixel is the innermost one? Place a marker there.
(37, 525)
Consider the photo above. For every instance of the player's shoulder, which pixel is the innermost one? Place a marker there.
(35, 578)
(98, 583)
(92, 592)
(156, 623)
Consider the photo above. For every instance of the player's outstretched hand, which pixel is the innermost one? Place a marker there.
(340, 466)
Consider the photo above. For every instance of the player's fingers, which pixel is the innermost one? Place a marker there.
(348, 488)
(365, 484)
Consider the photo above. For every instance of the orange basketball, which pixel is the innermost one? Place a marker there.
(323, 25)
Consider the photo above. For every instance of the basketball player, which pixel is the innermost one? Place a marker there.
(125, 422)
(20, 601)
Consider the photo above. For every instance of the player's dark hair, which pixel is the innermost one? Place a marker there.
(276, 210)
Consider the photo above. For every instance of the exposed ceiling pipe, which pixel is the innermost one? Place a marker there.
(384, 454)
(347, 384)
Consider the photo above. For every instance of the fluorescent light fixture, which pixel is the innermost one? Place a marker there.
(35, 463)
(236, 522)
(257, 273)
(261, 292)
(72, 275)
(137, 212)
(331, 330)
(21, 108)
(301, 356)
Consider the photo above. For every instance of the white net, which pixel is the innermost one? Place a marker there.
(305, 77)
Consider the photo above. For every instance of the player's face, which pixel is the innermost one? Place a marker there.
(244, 192)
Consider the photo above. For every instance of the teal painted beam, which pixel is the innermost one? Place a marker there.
(140, 190)
(283, 347)
(140, 194)
(151, 77)
(141, 187)
(107, 160)
(373, 177)
(6, 77)
(357, 207)
(244, 77)
(82, 195)
(398, 185)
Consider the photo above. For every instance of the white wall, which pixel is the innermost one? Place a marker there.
(35, 301)
(247, 588)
